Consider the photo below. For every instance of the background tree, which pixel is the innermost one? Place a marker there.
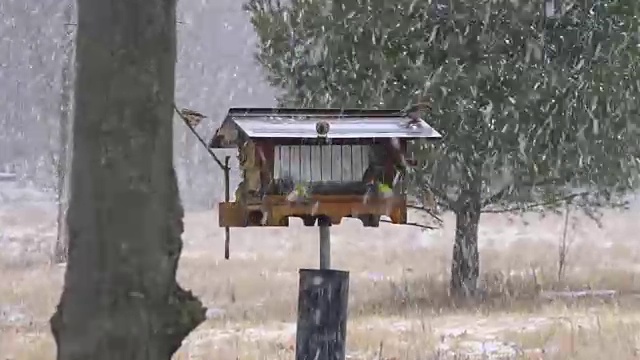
(120, 298)
(519, 131)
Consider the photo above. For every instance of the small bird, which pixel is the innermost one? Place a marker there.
(413, 112)
(193, 118)
(429, 201)
(299, 193)
(384, 190)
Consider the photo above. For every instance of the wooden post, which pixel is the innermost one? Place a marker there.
(227, 231)
(322, 314)
(325, 245)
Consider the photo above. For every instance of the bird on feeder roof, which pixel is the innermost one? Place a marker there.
(413, 112)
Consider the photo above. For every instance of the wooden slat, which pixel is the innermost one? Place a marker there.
(230, 214)
(339, 206)
(335, 206)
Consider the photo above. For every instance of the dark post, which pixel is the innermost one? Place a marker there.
(322, 314)
(227, 232)
(325, 243)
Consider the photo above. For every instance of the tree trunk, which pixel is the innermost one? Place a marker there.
(465, 265)
(120, 298)
(66, 139)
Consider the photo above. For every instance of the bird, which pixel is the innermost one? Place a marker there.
(384, 190)
(413, 112)
(298, 194)
(428, 200)
(193, 118)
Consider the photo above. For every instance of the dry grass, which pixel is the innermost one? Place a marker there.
(399, 308)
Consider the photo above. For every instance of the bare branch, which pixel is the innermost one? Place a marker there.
(527, 207)
(186, 121)
(426, 210)
(497, 196)
(422, 226)
(505, 190)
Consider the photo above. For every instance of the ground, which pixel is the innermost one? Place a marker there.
(398, 303)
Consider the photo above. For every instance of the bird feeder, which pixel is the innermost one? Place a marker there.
(320, 165)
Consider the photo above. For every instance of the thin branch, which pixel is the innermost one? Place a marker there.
(505, 190)
(544, 182)
(422, 226)
(204, 143)
(424, 209)
(563, 246)
(497, 196)
(527, 207)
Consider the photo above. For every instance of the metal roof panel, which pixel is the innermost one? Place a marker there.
(290, 112)
(347, 127)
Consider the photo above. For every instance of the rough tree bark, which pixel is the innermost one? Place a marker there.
(66, 137)
(120, 298)
(465, 265)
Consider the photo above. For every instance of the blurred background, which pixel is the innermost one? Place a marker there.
(216, 70)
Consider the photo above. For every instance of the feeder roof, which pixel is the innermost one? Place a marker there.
(343, 124)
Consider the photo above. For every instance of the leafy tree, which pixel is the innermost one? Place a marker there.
(121, 299)
(521, 130)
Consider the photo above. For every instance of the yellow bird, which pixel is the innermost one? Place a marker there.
(299, 193)
(384, 190)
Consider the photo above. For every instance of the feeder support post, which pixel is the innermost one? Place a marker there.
(325, 243)
(321, 332)
(227, 231)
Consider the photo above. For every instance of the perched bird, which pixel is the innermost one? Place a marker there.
(299, 193)
(428, 200)
(384, 190)
(193, 118)
(413, 112)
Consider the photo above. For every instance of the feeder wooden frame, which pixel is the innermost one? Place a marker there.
(274, 210)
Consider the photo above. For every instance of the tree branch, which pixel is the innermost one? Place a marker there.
(428, 211)
(505, 190)
(527, 207)
(194, 132)
(497, 196)
(422, 226)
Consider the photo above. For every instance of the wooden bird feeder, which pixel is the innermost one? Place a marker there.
(320, 165)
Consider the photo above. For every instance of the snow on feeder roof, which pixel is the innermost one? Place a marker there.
(286, 123)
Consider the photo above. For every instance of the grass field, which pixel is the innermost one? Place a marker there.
(399, 308)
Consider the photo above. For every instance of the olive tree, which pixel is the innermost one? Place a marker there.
(522, 129)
